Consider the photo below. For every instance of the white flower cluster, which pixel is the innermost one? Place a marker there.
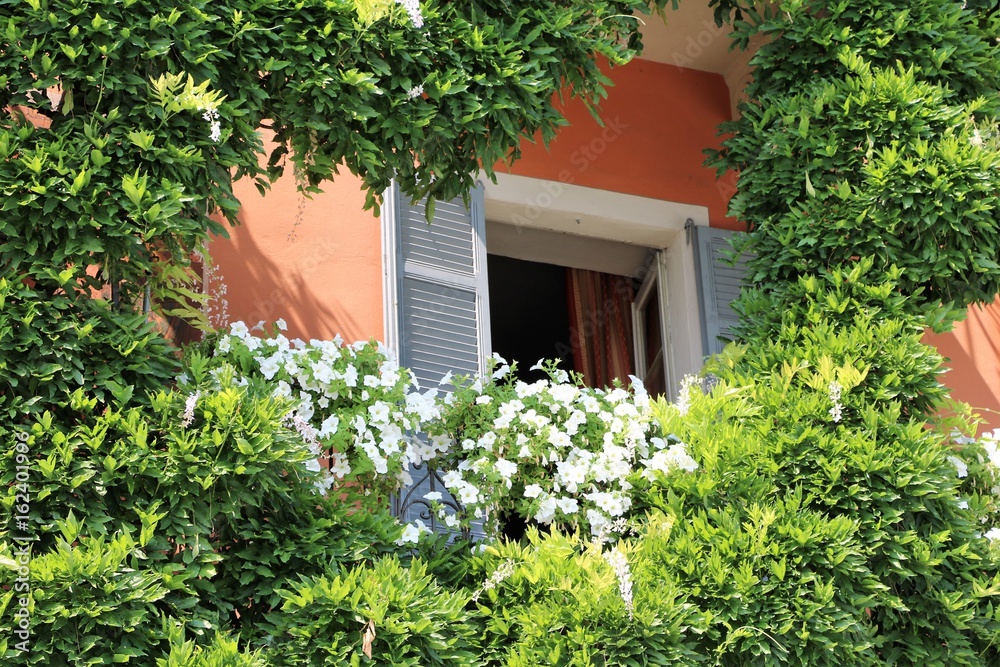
(688, 383)
(619, 563)
(415, 92)
(215, 127)
(505, 570)
(552, 450)
(837, 411)
(990, 443)
(412, 8)
(353, 403)
(189, 405)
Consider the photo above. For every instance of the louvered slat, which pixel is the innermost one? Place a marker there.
(719, 284)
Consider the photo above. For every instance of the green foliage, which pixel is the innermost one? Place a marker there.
(225, 505)
(872, 133)
(826, 524)
(854, 317)
(89, 602)
(221, 652)
(385, 614)
(52, 345)
(129, 121)
(557, 601)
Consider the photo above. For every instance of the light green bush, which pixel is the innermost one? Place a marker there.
(227, 506)
(556, 600)
(90, 601)
(385, 614)
(870, 131)
(827, 524)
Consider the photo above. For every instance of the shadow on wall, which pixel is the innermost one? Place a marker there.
(316, 263)
(972, 352)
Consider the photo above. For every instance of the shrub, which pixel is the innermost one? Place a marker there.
(222, 487)
(352, 403)
(89, 601)
(53, 344)
(385, 614)
(855, 315)
(871, 132)
(558, 601)
(826, 523)
(221, 652)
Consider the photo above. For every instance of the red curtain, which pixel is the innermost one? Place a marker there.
(600, 319)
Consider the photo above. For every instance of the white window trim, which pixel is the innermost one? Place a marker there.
(538, 204)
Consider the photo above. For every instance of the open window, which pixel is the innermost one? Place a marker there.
(652, 349)
(650, 303)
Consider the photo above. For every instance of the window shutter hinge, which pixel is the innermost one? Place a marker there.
(689, 229)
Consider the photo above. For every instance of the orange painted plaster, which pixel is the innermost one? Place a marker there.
(973, 353)
(658, 121)
(314, 262)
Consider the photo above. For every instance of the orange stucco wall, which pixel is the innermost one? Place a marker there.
(658, 121)
(317, 263)
(973, 350)
(314, 262)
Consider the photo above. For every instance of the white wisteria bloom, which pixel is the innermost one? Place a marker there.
(619, 563)
(189, 405)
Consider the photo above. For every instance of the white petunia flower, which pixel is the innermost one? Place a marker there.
(410, 534)
(532, 491)
(962, 469)
(506, 468)
(546, 511)
(468, 494)
(568, 505)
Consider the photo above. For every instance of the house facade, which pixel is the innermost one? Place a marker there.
(602, 250)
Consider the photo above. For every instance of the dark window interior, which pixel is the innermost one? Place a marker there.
(529, 317)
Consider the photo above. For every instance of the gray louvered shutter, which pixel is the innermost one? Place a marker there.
(438, 305)
(441, 292)
(719, 284)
